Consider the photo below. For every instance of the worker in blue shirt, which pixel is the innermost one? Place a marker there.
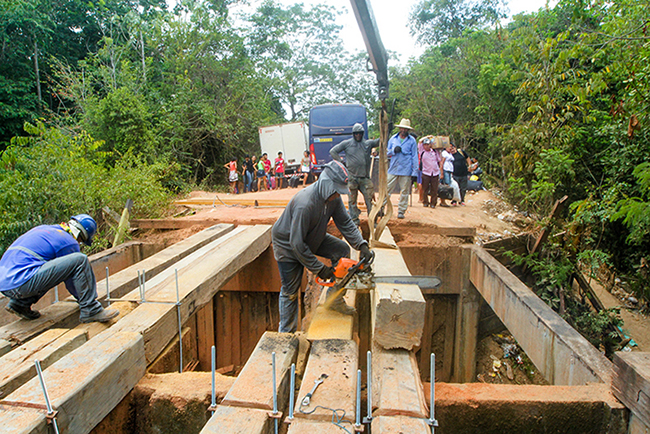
(45, 256)
(403, 153)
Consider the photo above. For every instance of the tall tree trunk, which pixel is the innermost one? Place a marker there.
(37, 72)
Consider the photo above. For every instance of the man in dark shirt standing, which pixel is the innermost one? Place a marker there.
(461, 163)
(357, 161)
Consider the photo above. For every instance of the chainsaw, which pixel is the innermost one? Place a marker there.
(351, 274)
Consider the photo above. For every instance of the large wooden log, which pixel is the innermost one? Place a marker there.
(17, 367)
(399, 424)
(338, 359)
(254, 385)
(396, 386)
(83, 387)
(198, 282)
(239, 420)
(65, 313)
(631, 383)
(397, 309)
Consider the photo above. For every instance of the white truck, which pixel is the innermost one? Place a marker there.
(290, 139)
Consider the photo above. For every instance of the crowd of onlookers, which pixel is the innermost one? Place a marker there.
(258, 174)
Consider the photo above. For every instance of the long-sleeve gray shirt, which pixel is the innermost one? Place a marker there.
(357, 155)
(302, 227)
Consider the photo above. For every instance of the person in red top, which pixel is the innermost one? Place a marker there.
(267, 168)
(279, 170)
(233, 177)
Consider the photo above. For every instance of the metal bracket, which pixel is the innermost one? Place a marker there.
(212, 408)
(432, 422)
(272, 415)
(51, 417)
(358, 428)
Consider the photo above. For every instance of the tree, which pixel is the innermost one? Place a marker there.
(437, 21)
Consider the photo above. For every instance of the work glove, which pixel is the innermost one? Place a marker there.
(326, 273)
(364, 253)
(397, 149)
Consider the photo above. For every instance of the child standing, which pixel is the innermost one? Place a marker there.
(233, 176)
(279, 170)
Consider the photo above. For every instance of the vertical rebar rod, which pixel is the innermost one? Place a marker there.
(432, 420)
(213, 402)
(56, 294)
(358, 412)
(292, 390)
(275, 392)
(369, 386)
(108, 290)
(180, 325)
(144, 286)
(140, 284)
(47, 397)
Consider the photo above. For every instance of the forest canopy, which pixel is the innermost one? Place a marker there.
(552, 103)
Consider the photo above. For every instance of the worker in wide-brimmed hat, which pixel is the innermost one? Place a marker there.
(45, 256)
(403, 154)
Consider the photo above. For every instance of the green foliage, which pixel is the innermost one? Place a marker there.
(52, 174)
(635, 211)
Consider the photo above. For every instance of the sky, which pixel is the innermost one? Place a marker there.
(392, 22)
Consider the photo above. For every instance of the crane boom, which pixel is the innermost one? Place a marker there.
(376, 51)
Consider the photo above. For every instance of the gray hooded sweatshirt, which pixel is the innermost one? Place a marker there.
(302, 227)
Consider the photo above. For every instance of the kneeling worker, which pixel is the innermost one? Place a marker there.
(301, 233)
(45, 256)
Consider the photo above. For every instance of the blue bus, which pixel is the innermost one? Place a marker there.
(329, 125)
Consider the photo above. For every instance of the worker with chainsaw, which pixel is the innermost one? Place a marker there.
(357, 161)
(45, 256)
(301, 233)
(403, 153)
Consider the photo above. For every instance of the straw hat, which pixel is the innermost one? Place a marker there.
(405, 123)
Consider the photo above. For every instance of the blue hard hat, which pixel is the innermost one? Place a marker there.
(87, 226)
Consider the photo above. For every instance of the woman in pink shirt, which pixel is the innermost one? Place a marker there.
(430, 165)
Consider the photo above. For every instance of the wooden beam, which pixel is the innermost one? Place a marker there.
(65, 313)
(399, 424)
(200, 276)
(396, 386)
(631, 382)
(305, 426)
(398, 310)
(205, 334)
(83, 386)
(558, 351)
(541, 239)
(338, 359)
(17, 367)
(254, 385)
(238, 420)
(467, 319)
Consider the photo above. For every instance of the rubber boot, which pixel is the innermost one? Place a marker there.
(338, 304)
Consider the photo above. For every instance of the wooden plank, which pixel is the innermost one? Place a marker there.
(560, 353)
(306, 426)
(83, 386)
(5, 347)
(65, 314)
(631, 382)
(235, 316)
(17, 367)
(205, 334)
(338, 359)
(198, 282)
(222, 335)
(399, 425)
(238, 420)
(541, 239)
(467, 319)
(398, 310)
(396, 386)
(254, 385)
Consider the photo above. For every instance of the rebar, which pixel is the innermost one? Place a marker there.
(180, 325)
(275, 392)
(144, 286)
(292, 391)
(108, 291)
(50, 411)
(358, 412)
(369, 386)
(56, 294)
(432, 420)
(213, 402)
